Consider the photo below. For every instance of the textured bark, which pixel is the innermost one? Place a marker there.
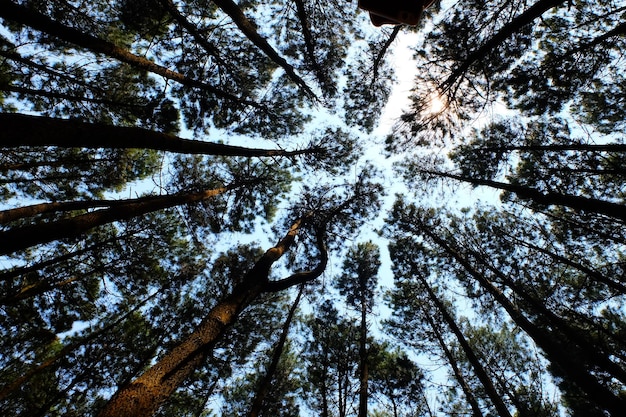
(143, 396)
(29, 17)
(25, 130)
(17, 213)
(23, 237)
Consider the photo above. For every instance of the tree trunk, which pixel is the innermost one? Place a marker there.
(29, 17)
(479, 370)
(23, 237)
(144, 396)
(266, 381)
(363, 354)
(69, 348)
(458, 375)
(558, 354)
(578, 203)
(21, 130)
(249, 29)
(533, 12)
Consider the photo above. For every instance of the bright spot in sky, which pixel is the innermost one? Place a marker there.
(436, 103)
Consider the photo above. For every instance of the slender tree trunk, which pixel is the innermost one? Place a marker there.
(592, 353)
(266, 381)
(458, 375)
(607, 147)
(324, 388)
(555, 351)
(591, 273)
(23, 237)
(20, 130)
(29, 17)
(67, 349)
(249, 29)
(578, 203)
(363, 354)
(533, 12)
(143, 396)
(309, 43)
(16, 272)
(479, 370)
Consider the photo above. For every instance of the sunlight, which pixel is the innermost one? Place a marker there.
(435, 104)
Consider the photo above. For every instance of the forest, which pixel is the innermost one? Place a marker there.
(203, 214)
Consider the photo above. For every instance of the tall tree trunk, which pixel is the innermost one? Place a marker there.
(556, 352)
(578, 203)
(589, 147)
(266, 381)
(143, 396)
(249, 29)
(23, 237)
(25, 130)
(69, 348)
(591, 273)
(458, 375)
(533, 12)
(479, 370)
(30, 17)
(363, 354)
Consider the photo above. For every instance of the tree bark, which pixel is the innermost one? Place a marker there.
(23, 237)
(143, 396)
(24, 130)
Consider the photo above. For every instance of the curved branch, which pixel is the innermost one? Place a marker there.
(305, 276)
(383, 51)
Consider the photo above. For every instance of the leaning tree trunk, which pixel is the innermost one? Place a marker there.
(266, 381)
(479, 370)
(556, 352)
(24, 237)
(143, 396)
(20, 130)
(578, 203)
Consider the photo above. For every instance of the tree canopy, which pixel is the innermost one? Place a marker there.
(192, 222)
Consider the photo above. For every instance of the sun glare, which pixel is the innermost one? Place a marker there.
(436, 103)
